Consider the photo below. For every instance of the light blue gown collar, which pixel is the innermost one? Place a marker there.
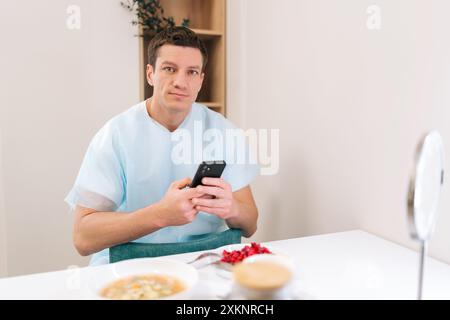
(183, 124)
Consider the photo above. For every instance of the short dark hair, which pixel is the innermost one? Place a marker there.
(178, 36)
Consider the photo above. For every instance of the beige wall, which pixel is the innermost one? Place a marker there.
(58, 88)
(3, 246)
(351, 105)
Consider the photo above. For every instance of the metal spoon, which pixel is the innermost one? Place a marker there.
(205, 255)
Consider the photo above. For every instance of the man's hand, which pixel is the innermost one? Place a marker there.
(176, 207)
(220, 201)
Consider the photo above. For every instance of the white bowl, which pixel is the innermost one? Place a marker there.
(105, 275)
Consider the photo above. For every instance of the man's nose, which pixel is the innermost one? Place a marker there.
(180, 80)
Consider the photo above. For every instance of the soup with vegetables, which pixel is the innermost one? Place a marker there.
(143, 287)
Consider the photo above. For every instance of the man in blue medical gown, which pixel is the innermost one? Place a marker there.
(132, 182)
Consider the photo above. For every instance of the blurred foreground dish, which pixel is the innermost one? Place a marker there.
(262, 275)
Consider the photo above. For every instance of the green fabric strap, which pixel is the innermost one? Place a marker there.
(210, 241)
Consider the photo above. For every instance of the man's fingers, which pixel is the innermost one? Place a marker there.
(213, 203)
(214, 191)
(206, 196)
(215, 211)
(180, 184)
(193, 193)
(216, 182)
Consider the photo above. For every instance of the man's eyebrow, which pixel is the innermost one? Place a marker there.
(170, 63)
(175, 65)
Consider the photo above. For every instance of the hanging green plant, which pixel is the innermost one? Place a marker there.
(150, 15)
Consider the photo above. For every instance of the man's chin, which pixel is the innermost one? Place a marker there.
(179, 106)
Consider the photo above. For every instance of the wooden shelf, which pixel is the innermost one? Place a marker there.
(206, 18)
(207, 34)
(212, 105)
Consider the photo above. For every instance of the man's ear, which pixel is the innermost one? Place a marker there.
(202, 76)
(150, 74)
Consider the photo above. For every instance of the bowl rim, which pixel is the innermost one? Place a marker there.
(279, 258)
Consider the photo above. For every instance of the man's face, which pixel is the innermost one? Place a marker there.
(177, 77)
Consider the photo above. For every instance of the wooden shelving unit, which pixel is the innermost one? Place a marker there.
(207, 19)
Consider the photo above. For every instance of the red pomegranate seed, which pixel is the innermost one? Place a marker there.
(239, 255)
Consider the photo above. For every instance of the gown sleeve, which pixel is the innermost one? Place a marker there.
(100, 183)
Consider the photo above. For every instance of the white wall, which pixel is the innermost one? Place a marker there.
(351, 105)
(58, 88)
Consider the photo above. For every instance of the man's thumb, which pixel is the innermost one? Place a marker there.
(180, 184)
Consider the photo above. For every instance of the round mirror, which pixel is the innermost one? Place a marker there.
(424, 192)
(425, 187)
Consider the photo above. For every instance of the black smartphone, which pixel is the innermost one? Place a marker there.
(208, 169)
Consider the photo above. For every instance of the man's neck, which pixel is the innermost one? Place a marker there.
(169, 119)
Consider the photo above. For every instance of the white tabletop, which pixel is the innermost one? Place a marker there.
(346, 265)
